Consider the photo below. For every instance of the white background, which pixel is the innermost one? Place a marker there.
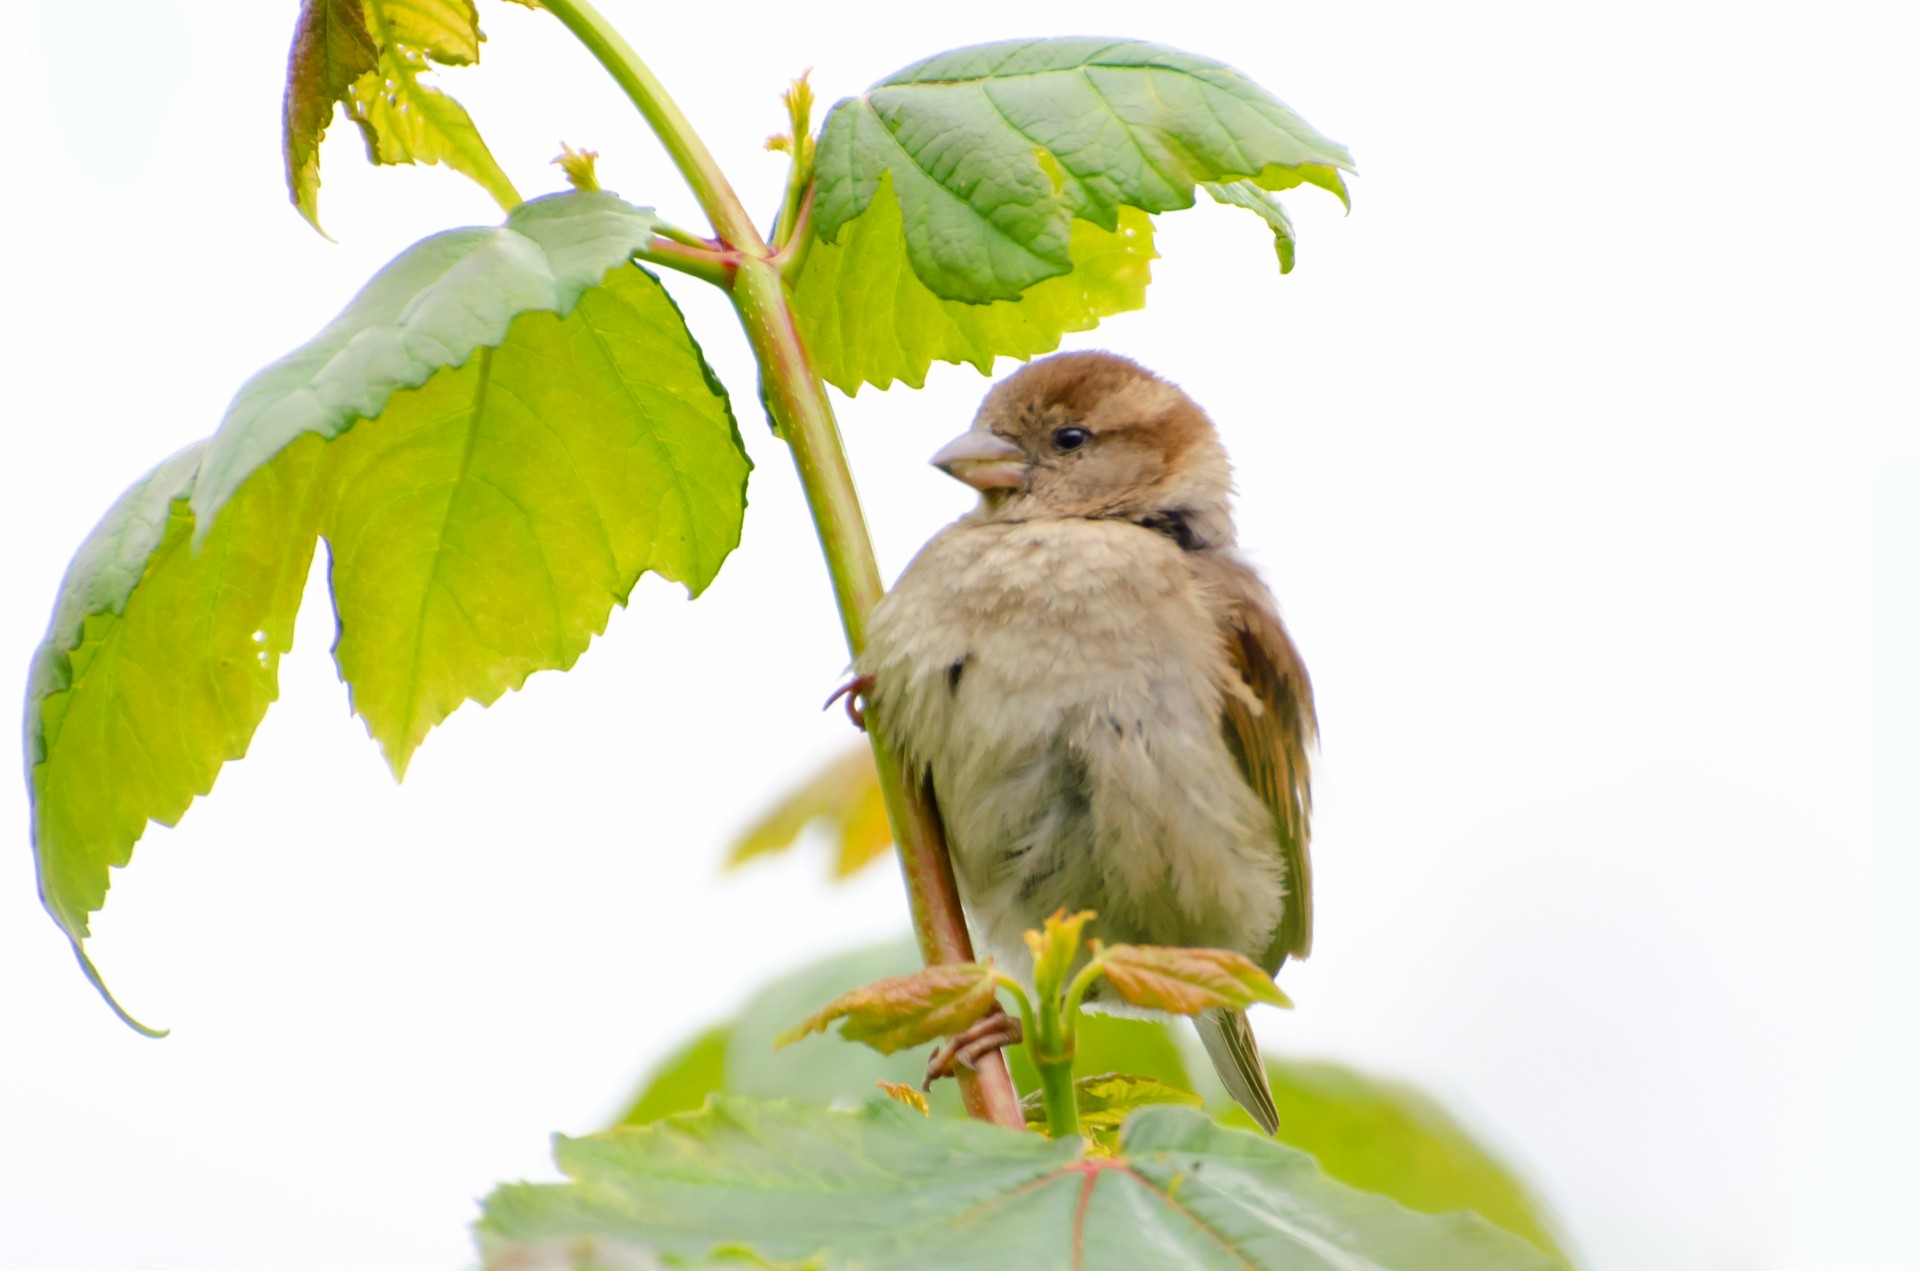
(1582, 457)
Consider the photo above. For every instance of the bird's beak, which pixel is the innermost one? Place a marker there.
(983, 460)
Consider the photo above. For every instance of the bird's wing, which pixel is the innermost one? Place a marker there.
(1268, 723)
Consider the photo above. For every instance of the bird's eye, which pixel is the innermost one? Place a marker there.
(1070, 438)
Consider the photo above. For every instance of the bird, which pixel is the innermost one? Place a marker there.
(1096, 689)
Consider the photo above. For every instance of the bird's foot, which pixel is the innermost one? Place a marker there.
(855, 691)
(966, 1049)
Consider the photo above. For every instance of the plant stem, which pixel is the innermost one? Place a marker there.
(796, 402)
(1050, 1037)
(1056, 1088)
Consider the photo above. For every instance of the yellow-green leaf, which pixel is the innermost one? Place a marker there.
(868, 318)
(407, 121)
(429, 308)
(902, 1093)
(1105, 1100)
(482, 525)
(158, 665)
(907, 1010)
(485, 526)
(448, 31)
(1055, 947)
(844, 795)
(1185, 981)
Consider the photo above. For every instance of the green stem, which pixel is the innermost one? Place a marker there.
(701, 263)
(1050, 1044)
(703, 175)
(1056, 1089)
(796, 401)
(1077, 991)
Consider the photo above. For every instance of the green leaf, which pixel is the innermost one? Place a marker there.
(431, 307)
(487, 527)
(1263, 205)
(159, 663)
(995, 150)
(1378, 1135)
(331, 50)
(868, 318)
(906, 1010)
(880, 1187)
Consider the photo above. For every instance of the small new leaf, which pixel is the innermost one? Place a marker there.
(907, 1010)
(578, 165)
(331, 50)
(1185, 981)
(906, 1094)
(370, 55)
(1054, 947)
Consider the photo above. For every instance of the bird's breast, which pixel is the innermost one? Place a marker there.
(1059, 683)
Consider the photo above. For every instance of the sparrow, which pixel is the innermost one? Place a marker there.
(1096, 689)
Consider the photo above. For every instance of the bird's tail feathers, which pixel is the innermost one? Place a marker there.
(1230, 1043)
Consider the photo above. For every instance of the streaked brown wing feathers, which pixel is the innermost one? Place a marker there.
(1269, 727)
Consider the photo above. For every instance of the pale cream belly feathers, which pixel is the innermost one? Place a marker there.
(1060, 682)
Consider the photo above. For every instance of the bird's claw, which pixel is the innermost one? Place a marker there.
(854, 690)
(965, 1049)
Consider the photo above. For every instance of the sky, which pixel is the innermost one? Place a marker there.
(1583, 457)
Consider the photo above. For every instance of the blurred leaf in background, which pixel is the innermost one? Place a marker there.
(844, 796)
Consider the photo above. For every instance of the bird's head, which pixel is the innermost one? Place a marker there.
(1092, 435)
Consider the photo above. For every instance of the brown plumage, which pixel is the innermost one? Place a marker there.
(1099, 690)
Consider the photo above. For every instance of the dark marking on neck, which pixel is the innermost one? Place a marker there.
(1174, 523)
(955, 671)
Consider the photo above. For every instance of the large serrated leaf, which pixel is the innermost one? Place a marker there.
(482, 528)
(1367, 1132)
(994, 151)
(881, 1187)
(431, 307)
(487, 524)
(868, 318)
